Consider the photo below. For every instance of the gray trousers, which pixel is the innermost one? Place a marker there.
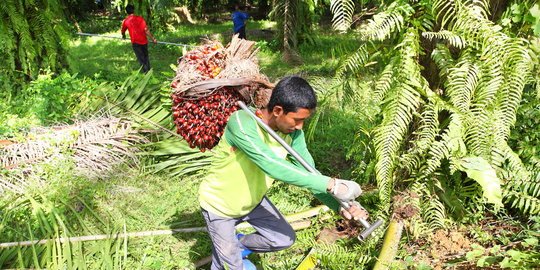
(273, 233)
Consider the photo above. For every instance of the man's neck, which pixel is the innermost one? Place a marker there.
(268, 118)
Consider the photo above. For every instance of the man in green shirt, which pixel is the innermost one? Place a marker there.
(246, 162)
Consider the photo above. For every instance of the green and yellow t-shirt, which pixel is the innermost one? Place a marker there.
(246, 162)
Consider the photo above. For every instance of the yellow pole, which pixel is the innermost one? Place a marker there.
(390, 245)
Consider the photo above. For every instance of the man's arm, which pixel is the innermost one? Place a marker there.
(124, 27)
(299, 145)
(241, 132)
(147, 32)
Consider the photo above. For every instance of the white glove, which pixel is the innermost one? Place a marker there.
(353, 190)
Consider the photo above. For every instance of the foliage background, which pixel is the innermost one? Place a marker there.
(405, 76)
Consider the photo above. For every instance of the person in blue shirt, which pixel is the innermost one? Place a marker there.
(239, 21)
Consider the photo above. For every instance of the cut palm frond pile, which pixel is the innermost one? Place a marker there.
(95, 146)
(148, 105)
(209, 81)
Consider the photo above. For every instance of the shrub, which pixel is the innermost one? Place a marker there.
(48, 99)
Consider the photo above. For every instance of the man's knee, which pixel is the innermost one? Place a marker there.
(284, 241)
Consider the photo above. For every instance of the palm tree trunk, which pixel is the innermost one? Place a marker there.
(290, 20)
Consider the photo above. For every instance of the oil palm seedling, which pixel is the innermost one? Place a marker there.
(448, 81)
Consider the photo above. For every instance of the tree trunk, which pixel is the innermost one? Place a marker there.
(289, 33)
(264, 7)
(497, 8)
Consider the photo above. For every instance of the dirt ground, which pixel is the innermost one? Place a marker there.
(448, 242)
(344, 229)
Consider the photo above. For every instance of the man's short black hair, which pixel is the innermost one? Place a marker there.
(292, 93)
(130, 9)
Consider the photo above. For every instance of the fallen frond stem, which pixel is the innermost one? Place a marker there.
(102, 236)
(390, 245)
(23, 162)
(291, 218)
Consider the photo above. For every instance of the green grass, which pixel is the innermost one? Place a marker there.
(144, 201)
(147, 202)
(114, 59)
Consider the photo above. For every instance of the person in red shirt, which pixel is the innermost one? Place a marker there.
(138, 32)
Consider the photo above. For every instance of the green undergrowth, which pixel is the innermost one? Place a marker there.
(128, 200)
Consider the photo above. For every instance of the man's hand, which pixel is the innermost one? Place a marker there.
(154, 40)
(356, 212)
(344, 190)
(123, 35)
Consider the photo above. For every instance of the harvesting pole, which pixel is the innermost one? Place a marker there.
(368, 227)
(159, 42)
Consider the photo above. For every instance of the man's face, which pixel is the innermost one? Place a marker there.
(288, 123)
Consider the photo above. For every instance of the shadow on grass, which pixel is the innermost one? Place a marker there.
(201, 245)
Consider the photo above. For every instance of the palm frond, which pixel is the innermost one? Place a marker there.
(452, 38)
(386, 22)
(176, 157)
(443, 59)
(426, 135)
(343, 11)
(96, 146)
(151, 108)
(469, 111)
(54, 221)
(33, 36)
(355, 62)
(385, 80)
(290, 27)
(462, 82)
(334, 256)
(435, 213)
(401, 103)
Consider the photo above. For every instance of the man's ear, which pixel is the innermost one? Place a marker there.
(277, 111)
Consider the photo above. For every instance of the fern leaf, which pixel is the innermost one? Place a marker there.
(435, 214)
(443, 59)
(426, 133)
(342, 11)
(462, 83)
(385, 81)
(452, 38)
(385, 23)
